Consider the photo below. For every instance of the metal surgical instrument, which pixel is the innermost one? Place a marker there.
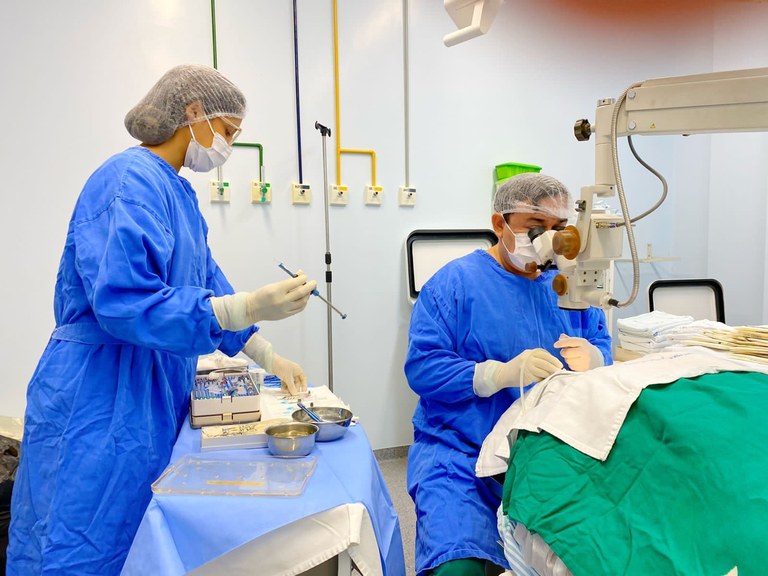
(314, 292)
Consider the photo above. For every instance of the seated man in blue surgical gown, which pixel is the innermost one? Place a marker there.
(138, 297)
(482, 327)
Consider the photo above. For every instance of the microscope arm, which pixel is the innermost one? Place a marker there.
(734, 101)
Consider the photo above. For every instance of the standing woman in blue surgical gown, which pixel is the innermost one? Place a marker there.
(479, 324)
(138, 297)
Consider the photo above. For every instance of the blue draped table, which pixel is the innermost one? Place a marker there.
(180, 533)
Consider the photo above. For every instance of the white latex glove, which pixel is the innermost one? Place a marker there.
(491, 375)
(579, 353)
(292, 378)
(271, 302)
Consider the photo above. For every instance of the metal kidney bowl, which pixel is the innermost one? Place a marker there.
(334, 425)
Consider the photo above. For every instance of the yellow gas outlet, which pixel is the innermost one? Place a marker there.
(261, 192)
(339, 195)
(373, 195)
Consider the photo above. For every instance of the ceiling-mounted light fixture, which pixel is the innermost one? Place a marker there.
(472, 18)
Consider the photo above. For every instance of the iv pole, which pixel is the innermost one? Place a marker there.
(324, 133)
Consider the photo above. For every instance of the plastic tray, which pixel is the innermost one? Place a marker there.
(207, 475)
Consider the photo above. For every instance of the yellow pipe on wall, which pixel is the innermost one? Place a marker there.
(336, 87)
(339, 149)
(371, 153)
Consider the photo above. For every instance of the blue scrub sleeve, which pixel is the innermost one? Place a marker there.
(123, 259)
(433, 368)
(595, 330)
(231, 342)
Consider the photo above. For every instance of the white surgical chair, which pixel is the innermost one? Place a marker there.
(426, 251)
(701, 298)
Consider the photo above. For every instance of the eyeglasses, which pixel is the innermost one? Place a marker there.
(236, 129)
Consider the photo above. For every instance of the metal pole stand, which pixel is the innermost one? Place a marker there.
(324, 133)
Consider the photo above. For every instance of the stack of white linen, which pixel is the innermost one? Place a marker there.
(651, 331)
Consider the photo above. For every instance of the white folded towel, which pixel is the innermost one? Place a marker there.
(651, 323)
(644, 343)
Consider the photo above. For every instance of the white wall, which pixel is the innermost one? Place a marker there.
(70, 71)
(738, 211)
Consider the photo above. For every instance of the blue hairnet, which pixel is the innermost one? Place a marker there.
(163, 110)
(533, 193)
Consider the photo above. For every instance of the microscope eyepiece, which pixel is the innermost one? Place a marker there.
(534, 233)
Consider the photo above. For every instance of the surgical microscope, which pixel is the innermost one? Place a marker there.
(733, 101)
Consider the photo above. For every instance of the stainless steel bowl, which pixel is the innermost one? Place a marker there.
(334, 425)
(292, 439)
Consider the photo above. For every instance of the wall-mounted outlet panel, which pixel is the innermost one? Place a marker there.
(373, 195)
(219, 191)
(261, 192)
(407, 196)
(339, 195)
(301, 194)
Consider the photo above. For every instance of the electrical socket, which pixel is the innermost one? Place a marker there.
(373, 195)
(261, 192)
(219, 191)
(339, 195)
(302, 193)
(407, 196)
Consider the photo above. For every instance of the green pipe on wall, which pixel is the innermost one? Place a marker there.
(261, 154)
(215, 64)
(213, 32)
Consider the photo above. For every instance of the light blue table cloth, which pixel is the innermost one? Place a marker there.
(180, 533)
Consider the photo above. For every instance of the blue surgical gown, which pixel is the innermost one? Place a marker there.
(470, 311)
(111, 390)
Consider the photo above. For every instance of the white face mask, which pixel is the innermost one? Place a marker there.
(524, 252)
(202, 159)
